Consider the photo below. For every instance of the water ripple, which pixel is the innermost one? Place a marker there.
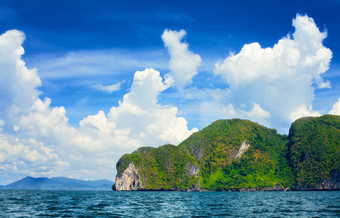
(170, 204)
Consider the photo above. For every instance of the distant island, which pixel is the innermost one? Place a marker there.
(58, 183)
(240, 155)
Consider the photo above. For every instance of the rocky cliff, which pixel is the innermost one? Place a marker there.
(240, 155)
(242, 149)
(165, 168)
(129, 180)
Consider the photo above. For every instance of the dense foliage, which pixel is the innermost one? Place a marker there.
(314, 149)
(164, 167)
(309, 154)
(263, 165)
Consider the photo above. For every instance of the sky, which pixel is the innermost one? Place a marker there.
(84, 82)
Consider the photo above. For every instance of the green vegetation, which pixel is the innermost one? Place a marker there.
(314, 149)
(161, 168)
(262, 165)
(308, 155)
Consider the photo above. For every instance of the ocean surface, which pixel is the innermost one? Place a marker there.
(168, 204)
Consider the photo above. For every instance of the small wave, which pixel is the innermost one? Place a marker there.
(174, 204)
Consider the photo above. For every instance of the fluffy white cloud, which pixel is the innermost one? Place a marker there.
(281, 79)
(272, 86)
(257, 112)
(36, 139)
(290, 57)
(303, 111)
(20, 157)
(17, 83)
(336, 108)
(108, 88)
(144, 117)
(183, 63)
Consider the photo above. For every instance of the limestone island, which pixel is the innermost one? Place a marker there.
(240, 155)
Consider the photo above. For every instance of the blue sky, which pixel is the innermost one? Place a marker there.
(55, 28)
(207, 66)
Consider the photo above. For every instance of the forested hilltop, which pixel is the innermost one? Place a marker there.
(240, 155)
(314, 152)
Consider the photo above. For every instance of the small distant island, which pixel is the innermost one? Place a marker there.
(240, 155)
(58, 183)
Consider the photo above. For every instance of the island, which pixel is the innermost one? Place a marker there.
(240, 155)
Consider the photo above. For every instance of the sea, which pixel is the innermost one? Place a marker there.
(14, 203)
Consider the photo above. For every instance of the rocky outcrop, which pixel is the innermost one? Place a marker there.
(325, 184)
(332, 184)
(192, 169)
(198, 154)
(129, 180)
(261, 189)
(242, 149)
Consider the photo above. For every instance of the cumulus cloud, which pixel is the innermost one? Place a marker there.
(108, 88)
(255, 112)
(36, 138)
(336, 108)
(272, 86)
(183, 63)
(25, 156)
(18, 85)
(303, 111)
(144, 117)
(282, 78)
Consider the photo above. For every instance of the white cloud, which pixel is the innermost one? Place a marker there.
(144, 117)
(336, 108)
(303, 111)
(183, 63)
(229, 111)
(272, 86)
(21, 157)
(290, 57)
(279, 78)
(257, 112)
(17, 83)
(108, 88)
(18, 91)
(36, 138)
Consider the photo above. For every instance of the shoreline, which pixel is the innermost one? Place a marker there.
(269, 189)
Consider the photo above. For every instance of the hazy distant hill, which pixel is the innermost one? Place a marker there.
(58, 183)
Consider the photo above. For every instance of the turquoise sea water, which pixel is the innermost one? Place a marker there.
(168, 204)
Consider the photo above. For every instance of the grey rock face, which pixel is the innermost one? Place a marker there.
(325, 184)
(242, 149)
(129, 180)
(192, 169)
(197, 153)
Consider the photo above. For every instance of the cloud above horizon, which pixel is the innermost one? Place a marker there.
(336, 108)
(183, 63)
(272, 86)
(36, 138)
(280, 79)
(108, 88)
